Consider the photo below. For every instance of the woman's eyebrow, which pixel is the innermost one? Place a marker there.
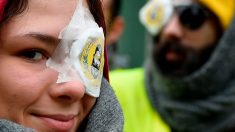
(45, 38)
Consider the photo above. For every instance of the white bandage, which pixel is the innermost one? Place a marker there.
(80, 54)
(155, 14)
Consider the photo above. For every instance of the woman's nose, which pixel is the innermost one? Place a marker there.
(71, 91)
(173, 29)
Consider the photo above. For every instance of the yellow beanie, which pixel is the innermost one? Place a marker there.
(223, 9)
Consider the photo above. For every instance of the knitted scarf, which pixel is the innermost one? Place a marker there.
(106, 115)
(203, 101)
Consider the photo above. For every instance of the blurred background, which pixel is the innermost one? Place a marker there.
(131, 44)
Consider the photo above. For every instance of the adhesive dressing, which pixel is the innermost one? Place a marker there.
(155, 15)
(80, 54)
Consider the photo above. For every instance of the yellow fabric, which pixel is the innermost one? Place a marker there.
(224, 9)
(139, 116)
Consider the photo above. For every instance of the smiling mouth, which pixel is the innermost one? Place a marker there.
(60, 123)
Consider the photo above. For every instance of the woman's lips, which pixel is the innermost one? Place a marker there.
(59, 122)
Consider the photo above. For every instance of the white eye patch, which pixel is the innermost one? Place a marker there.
(80, 54)
(155, 14)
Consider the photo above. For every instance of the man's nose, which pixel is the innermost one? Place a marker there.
(69, 92)
(173, 29)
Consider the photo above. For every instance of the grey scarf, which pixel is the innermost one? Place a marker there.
(203, 101)
(106, 115)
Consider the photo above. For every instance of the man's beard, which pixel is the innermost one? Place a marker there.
(188, 60)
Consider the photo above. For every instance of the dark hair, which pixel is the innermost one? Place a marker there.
(95, 7)
(13, 8)
(115, 8)
(16, 7)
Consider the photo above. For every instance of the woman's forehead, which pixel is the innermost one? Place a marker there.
(55, 7)
(45, 16)
(52, 6)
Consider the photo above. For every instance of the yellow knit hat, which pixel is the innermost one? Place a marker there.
(223, 9)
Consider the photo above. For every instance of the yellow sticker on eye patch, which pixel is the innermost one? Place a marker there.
(155, 14)
(92, 58)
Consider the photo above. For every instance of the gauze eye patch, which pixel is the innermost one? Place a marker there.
(80, 54)
(155, 15)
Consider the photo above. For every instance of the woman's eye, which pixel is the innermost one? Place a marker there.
(33, 55)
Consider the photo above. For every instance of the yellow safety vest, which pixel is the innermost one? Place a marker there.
(139, 115)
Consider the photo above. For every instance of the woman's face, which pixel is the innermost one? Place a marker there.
(29, 94)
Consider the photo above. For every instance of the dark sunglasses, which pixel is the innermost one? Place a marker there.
(192, 16)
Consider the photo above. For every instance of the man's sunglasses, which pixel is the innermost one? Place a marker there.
(192, 16)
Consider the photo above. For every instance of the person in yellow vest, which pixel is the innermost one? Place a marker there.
(187, 83)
